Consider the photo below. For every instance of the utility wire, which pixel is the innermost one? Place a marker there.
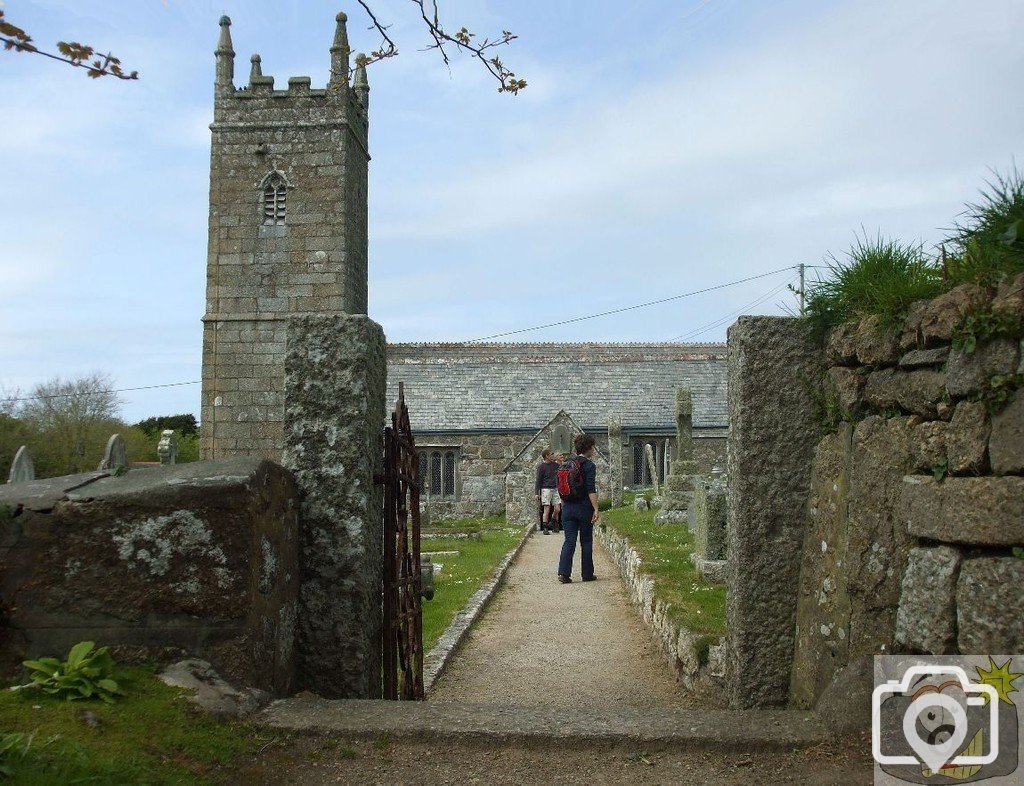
(631, 308)
(102, 392)
(742, 309)
(472, 341)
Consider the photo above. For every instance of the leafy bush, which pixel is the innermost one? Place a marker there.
(87, 673)
(982, 326)
(989, 243)
(879, 277)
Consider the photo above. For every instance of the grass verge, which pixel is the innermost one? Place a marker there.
(461, 575)
(151, 736)
(665, 550)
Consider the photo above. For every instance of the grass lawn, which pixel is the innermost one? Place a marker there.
(665, 550)
(149, 736)
(462, 575)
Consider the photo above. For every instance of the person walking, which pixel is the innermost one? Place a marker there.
(579, 512)
(545, 488)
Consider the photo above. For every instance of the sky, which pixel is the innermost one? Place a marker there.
(662, 147)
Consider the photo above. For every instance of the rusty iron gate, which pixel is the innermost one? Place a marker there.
(403, 621)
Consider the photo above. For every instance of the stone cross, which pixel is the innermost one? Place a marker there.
(615, 460)
(116, 454)
(22, 468)
(684, 425)
(652, 467)
(167, 448)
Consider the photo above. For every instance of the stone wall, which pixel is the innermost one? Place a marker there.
(773, 431)
(260, 273)
(695, 658)
(334, 407)
(917, 498)
(480, 472)
(200, 558)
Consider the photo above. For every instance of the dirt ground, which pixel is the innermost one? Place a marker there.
(540, 643)
(543, 643)
(322, 760)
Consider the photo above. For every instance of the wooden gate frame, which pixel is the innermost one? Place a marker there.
(403, 620)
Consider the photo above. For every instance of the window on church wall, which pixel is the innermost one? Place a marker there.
(275, 199)
(448, 475)
(437, 472)
(661, 449)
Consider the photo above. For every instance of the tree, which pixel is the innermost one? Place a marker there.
(482, 49)
(183, 424)
(73, 419)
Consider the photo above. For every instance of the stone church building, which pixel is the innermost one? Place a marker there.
(288, 237)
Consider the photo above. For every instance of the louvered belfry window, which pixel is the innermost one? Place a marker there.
(275, 197)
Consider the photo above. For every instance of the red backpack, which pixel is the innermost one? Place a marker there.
(572, 486)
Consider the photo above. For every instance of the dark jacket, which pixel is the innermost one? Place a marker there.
(547, 476)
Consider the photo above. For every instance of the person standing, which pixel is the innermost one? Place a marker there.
(545, 488)
(579, 514)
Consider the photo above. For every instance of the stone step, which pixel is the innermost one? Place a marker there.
(679, 483)
(669, 727)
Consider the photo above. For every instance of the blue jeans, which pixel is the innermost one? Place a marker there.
(576, 519)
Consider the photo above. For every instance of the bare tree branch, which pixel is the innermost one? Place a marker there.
(463, 40)
(71, 52)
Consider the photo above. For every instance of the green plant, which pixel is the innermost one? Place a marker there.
(984, 325)
(988, 243)
(827, 410)
(1018, 552)
(1000, 390)
(879, 277)
(11, 744)
(87, 673)
(940, 469)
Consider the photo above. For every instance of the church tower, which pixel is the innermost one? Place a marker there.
(287, 235)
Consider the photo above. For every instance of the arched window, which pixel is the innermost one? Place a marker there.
(448, 487)
(638, 464)
(437, 472)
(275, 197)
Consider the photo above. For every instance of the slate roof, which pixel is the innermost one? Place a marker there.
(469, 387)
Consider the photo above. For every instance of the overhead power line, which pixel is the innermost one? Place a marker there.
(102, 392)
(631, 308)
(726, 317)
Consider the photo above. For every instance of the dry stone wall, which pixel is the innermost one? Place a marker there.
(917, 499)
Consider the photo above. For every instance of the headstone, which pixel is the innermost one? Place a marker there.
(167, 448)
(652, 467)
(116, 454)
(681, 480)
(22, 468)
(615, 460)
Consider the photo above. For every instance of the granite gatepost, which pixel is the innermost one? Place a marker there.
(335, 372)
(773, 432)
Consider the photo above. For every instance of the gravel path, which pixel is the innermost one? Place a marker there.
(545, 643)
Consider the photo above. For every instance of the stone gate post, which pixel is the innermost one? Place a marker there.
(335, 375)
(773, 431)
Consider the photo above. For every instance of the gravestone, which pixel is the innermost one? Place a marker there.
(22, 468)
(652, 467)
(615, 460)
(116, 454)
(680, 482)
(167, 448)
